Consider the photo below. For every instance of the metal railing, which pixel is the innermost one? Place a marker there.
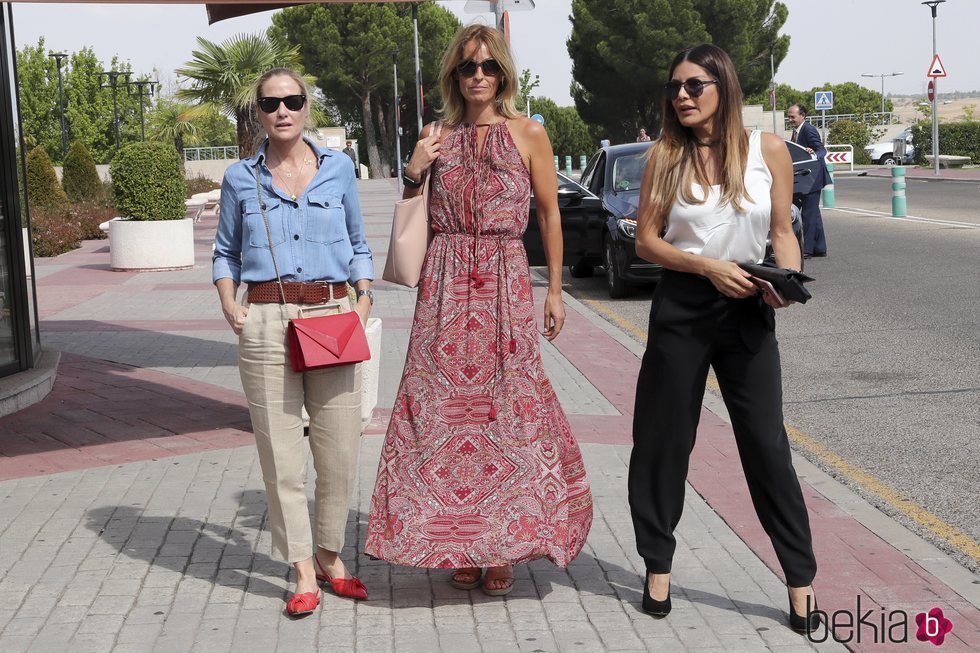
(210, 153)
(876, 118)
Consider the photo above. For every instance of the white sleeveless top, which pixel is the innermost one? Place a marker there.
(721, 232)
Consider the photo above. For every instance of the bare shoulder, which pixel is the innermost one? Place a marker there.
(772, 144)
(531, 130)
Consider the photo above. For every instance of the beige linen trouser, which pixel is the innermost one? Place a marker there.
(276, 396)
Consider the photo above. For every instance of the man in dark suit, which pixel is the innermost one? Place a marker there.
(805, 134)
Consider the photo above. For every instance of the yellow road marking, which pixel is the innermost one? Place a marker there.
(930, 522)
(618, 319)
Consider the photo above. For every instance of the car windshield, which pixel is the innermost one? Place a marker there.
(628, 172)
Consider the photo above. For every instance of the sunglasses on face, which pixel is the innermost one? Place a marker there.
(693, 87)
(468, 68)
(271, 104)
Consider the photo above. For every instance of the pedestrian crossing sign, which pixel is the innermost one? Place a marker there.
(823, 100)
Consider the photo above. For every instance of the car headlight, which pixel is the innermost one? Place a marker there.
(627, 227)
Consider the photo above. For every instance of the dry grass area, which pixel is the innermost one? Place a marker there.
(951, 112)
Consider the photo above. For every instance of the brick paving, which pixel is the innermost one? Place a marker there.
(132, 514)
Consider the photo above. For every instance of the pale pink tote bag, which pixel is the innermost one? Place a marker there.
(410, 236)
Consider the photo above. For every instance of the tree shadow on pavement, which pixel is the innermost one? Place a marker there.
(219, 554)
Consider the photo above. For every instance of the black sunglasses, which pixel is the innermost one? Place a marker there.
(468, 68)
(693, 87)
(271, 104)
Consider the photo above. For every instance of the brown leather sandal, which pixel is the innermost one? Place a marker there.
(467, 578)
(498, 591)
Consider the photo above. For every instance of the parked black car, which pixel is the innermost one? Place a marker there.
(599, 216)
(582, 216)
(614, 174)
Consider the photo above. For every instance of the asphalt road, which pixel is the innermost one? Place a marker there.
(940, 200)
(881, 370)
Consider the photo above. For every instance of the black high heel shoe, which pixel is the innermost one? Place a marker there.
(651, 605)
(807, 624)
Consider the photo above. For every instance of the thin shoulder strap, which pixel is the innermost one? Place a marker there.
(268, 233)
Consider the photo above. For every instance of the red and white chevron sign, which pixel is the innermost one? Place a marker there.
(838, 157)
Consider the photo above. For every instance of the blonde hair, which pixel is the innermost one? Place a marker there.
(675, 160)
(304, 89)
(453, 104)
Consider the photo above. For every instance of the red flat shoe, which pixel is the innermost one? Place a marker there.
(351, 587)
(299, 605)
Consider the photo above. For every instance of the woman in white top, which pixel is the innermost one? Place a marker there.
(711, 192)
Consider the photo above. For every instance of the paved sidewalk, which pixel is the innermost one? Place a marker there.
(132, 514)
(922, 174)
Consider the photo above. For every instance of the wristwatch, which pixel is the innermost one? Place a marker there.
(411, 183)
(366, 293)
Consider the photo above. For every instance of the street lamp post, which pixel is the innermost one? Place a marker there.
(58, 56)
(883, 76)
(418, 66)
(932, 4)
(772, 84)
(140, 85)
(398, 140)
(112, 76)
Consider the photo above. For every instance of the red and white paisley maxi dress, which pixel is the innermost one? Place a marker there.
(479, 467)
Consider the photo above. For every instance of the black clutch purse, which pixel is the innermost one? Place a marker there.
(789, 283)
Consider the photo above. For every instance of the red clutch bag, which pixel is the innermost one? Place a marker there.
(325, 341)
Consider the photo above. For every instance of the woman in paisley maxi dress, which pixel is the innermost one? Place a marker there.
(479, 467)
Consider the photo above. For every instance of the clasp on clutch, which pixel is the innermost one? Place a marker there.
(332, 308)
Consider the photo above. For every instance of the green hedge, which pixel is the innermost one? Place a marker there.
(148, 182)
(855, 133)
(955, 138)
(79, 176)
(43, 189)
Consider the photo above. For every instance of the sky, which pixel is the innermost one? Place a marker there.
(831, 40)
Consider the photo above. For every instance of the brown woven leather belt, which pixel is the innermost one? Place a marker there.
(313, 292)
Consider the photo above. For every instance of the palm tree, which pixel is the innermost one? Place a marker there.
(174, 122)
(224, 75)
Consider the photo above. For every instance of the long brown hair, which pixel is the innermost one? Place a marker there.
(677, 166)
(453, 105)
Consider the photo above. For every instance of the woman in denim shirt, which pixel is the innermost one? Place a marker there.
(309, 197)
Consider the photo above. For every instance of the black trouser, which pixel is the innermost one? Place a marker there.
(814, 239)
(693, 326)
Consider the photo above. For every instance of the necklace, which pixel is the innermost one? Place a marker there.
(289, 175)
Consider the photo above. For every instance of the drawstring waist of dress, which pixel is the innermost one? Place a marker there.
(483, 236)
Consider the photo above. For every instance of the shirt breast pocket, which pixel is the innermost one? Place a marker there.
(255, 226)
(325, 220)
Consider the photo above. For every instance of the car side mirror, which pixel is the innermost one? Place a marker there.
(569, 193)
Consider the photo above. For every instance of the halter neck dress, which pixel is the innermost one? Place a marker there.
(479, 467)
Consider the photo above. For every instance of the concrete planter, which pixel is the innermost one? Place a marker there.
(137, 245)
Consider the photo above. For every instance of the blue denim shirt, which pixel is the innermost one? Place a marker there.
(319, 237)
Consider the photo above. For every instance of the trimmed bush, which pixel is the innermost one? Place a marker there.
(956, 138)
(89, 215)
(148, 182)
(43, 189)
(855, 133)
(79, 176)
(201, 184)
(53, 232)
